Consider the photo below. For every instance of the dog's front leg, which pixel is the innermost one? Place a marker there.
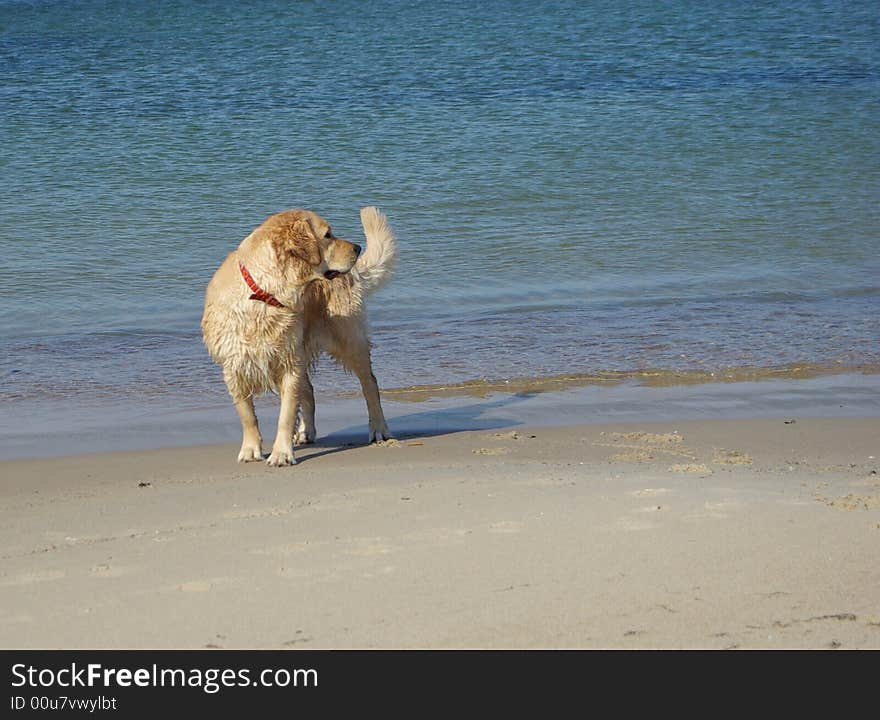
(251, 442)
(282, 450)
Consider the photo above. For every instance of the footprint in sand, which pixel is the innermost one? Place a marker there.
(730, 457)
(32, 577)
(714, 510)
(506, 526)
(545, 482)
(18, 619)
(297, 640)
(439, 537)
(195, 586)
(200, 586)
(491, 451)
(650, 492)
(644, 447)
(381, 572)
(630, 524)
(255, 513)
(852, 502)
(370, 547)
(313, 575)
(285, 550)
(105, 570)
(693, 468)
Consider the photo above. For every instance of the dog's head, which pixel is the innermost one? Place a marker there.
(306, 248)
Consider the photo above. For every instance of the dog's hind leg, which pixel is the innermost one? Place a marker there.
(378, 427)
(251, 442)
(357, 359)
(305, 432)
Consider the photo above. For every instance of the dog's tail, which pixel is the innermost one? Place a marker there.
(376, 265)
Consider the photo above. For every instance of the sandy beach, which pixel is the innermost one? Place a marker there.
(737, 533)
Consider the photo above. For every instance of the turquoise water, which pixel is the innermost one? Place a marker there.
(577, 187)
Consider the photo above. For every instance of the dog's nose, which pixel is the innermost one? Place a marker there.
(358, 250)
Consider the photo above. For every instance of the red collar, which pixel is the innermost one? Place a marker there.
(259, 293)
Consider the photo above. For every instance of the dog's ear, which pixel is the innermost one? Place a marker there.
(298, 239)
(305, 245)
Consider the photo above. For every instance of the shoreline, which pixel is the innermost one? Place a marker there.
(31, 430)
(645, 378)
(737, 533)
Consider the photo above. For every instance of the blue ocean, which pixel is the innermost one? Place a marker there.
(578, 188)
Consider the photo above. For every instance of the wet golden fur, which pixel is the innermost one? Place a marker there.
(264, 348)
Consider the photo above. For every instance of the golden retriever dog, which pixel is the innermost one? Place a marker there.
(290, 291)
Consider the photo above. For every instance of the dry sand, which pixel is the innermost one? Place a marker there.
(713, 534)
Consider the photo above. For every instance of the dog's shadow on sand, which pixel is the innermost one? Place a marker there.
(425, 424)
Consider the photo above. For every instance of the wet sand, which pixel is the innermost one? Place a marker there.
(642, 378)
(738, 533)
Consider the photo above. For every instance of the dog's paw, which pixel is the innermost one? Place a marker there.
(281, 457)
(250, 453)
(304, 437)
(380, 434)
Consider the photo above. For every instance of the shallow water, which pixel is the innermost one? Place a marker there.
(577, 187)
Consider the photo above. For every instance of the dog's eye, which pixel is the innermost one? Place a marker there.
(328, 234)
